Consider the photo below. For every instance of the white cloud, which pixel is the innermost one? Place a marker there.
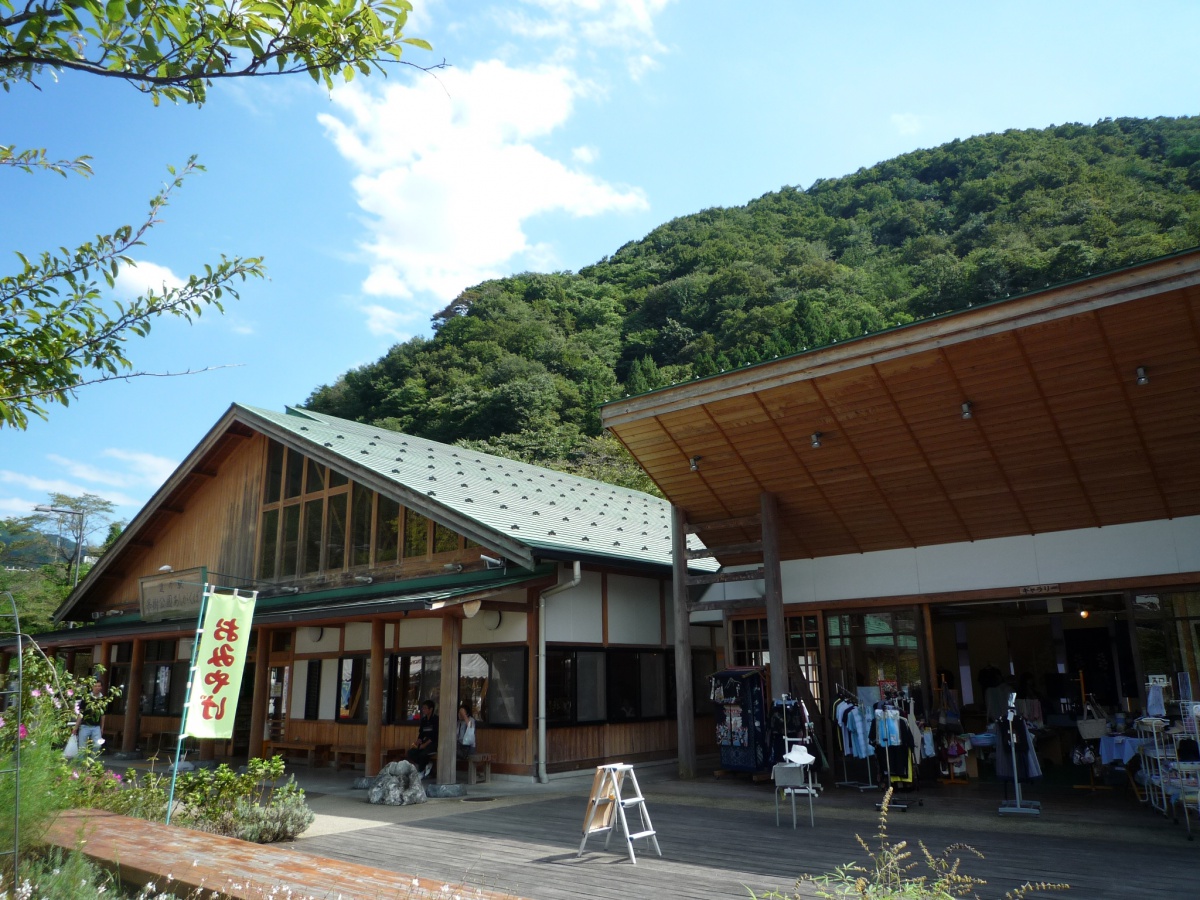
(585, 155)
(42, 486)
(17, 506)
(141, 276)
(580, 27)
(906, 123)
(449, 174)
(146, 468)
(384, 322)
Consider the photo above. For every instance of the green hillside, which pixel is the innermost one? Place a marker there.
(520, 364)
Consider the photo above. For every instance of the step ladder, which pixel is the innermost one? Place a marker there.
(614, 790)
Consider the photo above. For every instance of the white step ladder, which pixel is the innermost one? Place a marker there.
(606, 809)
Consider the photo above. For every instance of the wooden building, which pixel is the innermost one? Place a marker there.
(391, 570)
(1014, 486)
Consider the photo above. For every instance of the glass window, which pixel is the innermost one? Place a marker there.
(315, 478)
(653, 686)
(416, 677)
(291, 541)
(270, 542)
(337, 479)
(493, 682)
(335, 533)
(293, 479)
(445, 540)
(312, 691)
(360, 527)
(274, 472)
(354, 678)
(310, 561)
(387, 530)
(416, 535)
(590, 686)
(623, 690)
(560, 687)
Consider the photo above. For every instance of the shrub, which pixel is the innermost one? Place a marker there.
(891, 874)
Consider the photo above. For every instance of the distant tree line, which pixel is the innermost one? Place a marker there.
(520, 365)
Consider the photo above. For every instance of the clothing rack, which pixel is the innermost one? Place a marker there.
(847, 781)
(1017, 807)
(883, 737)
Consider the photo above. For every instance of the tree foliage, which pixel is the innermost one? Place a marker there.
(58, 333)
(59, 330)
(521, 363)
(175, 50)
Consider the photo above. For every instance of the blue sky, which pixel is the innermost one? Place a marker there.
(560, 130)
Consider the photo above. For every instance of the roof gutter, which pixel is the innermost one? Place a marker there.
(576, 577)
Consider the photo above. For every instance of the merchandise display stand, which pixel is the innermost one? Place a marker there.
(847, 781)
(606, 809)
(1017, 806)
(884, 739)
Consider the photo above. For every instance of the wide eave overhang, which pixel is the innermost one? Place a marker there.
(1060, 435)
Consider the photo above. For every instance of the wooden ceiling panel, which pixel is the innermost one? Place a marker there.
(1060, 437)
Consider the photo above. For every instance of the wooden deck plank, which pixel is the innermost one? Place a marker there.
(716, 849)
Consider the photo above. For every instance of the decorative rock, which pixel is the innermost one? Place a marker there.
(397, 784)
(441, 791)
(362, 782)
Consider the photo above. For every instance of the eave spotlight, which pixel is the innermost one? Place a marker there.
(816, 439)
(694, 462)
(968, 409)
(1142, 378)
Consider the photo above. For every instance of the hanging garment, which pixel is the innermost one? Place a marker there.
(1028, 766)
(1154, 701)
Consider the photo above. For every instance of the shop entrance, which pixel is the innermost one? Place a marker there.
(1038, 649)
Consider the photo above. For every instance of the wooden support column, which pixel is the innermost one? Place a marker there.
(258, 702)
(375, 700)
(448, 713)
(685, 715)
(773, 598)
(133, 696)
(104, 660)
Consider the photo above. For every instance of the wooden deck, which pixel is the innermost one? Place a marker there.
(718, 839)
(180, 860)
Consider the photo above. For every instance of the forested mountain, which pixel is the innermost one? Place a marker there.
(520, 364)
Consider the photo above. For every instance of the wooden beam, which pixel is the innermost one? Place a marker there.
(133, 696)
(726, 550)
(725, 577)
(375, 700)
(724, 524)
(685, 716)
(258, 702)
(723, 605)
(773, 599)
(447, 761)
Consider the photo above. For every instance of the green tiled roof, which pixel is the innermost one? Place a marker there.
(552, 513)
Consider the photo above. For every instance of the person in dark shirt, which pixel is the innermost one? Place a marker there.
(427, 738)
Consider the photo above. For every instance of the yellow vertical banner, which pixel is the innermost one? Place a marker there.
(220, 662)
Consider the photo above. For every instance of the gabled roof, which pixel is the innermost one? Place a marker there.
(543, 512)
(1068, 408)
(522, 512)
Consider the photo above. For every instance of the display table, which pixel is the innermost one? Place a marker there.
(1119, 748)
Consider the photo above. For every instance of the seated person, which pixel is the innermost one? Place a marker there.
(427, 737)
(465, 739)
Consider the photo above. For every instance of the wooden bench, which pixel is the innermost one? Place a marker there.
(315, 752)
(473, 762)
(350, 755)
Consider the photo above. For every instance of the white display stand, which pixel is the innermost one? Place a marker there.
(606, 809)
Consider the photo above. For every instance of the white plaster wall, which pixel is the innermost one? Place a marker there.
(358, 637)
(331, 638)
(1163, 547)
(420, 633)
(299, 684)
(576, 616)
(634, 613)
(329, 674)
(512, 628)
